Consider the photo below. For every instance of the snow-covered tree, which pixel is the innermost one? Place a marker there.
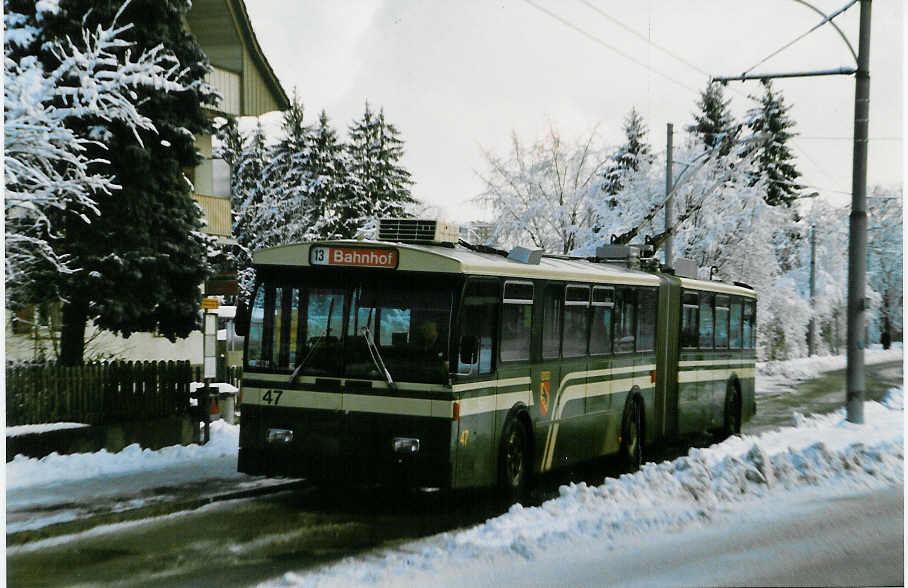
(626, 160)
(378, 185)
(827, 225)
(885, 260)
(327, 183)
(540, 195)
(775, 160)
(48, 170)
(714, 124)
(142, 255)
(287, 213)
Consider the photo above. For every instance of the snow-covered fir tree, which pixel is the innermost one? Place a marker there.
(378, 185)
(327, 184)
(770, 122)
(628, 157)
(288, 213)
(118, 239)
(714, 124)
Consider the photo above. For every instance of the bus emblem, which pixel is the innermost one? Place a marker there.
(544, 388)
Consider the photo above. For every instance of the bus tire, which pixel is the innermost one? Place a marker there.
(632, 435)
(732, 417)
(514, 462)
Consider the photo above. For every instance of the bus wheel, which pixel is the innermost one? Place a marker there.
(632, 436)
(732, 420)
(513, 477)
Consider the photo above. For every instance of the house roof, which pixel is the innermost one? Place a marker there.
(225, 33)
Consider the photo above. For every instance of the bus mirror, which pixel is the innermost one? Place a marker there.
(468, 349)
(241, 322)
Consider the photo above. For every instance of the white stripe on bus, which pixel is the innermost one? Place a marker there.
(566, 393)
(371, 403)
(704, 362)
(712, 375)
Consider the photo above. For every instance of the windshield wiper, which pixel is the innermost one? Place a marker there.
(315, 345)
(375, 354)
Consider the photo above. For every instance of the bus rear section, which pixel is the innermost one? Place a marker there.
(347, 378)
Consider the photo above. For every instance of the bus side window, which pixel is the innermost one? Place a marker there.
(480, 319)
(625, 320)
(734, 336)
(576, 325)
(516, 320)
(551, 321)
(748, 325)
(603, 306)
(689, 322)
(706, 321)
(722, 322)
(646, 319)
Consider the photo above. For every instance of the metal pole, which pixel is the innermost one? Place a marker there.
(669, 198)
(857, 238)
(812, 328)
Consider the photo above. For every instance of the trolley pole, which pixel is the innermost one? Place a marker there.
(669, 196)
(857, 238)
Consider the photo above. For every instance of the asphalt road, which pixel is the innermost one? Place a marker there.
(240, 542)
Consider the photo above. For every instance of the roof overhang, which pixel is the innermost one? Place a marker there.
(223, 30)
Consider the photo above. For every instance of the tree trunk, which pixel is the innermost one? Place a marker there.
(72, 335)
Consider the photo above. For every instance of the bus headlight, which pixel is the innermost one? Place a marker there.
(405, 445)
(279, 436)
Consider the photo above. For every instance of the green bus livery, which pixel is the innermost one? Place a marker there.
(423, 362)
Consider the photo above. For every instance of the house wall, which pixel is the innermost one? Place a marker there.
(105, 345)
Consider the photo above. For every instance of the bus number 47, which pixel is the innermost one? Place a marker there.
(272, 397)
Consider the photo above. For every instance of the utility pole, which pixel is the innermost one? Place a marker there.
(857, 239)
(812, 328)
(669, 195)
(857, 235)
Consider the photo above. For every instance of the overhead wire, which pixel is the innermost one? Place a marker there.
(608, 46)
(646, 39)
(665, 50)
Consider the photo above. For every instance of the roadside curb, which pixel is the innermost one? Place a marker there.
(144, 512)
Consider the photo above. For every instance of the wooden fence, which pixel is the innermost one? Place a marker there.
(96, 393)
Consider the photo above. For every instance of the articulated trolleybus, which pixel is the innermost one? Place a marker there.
(425, 361)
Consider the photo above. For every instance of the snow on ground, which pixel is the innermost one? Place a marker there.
(705, 487)
(42, 428)
(55, 468)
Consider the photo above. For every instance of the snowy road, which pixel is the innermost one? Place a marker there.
(796, 526)
(816, 539)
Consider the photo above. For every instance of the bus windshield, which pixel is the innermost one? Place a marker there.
(325, 326)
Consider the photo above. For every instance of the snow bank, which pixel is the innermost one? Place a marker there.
(55, 468)
(824, 451)
(805, 368)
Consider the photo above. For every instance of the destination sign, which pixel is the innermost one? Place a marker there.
(353, 256)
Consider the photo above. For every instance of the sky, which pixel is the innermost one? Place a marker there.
(457, 78)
